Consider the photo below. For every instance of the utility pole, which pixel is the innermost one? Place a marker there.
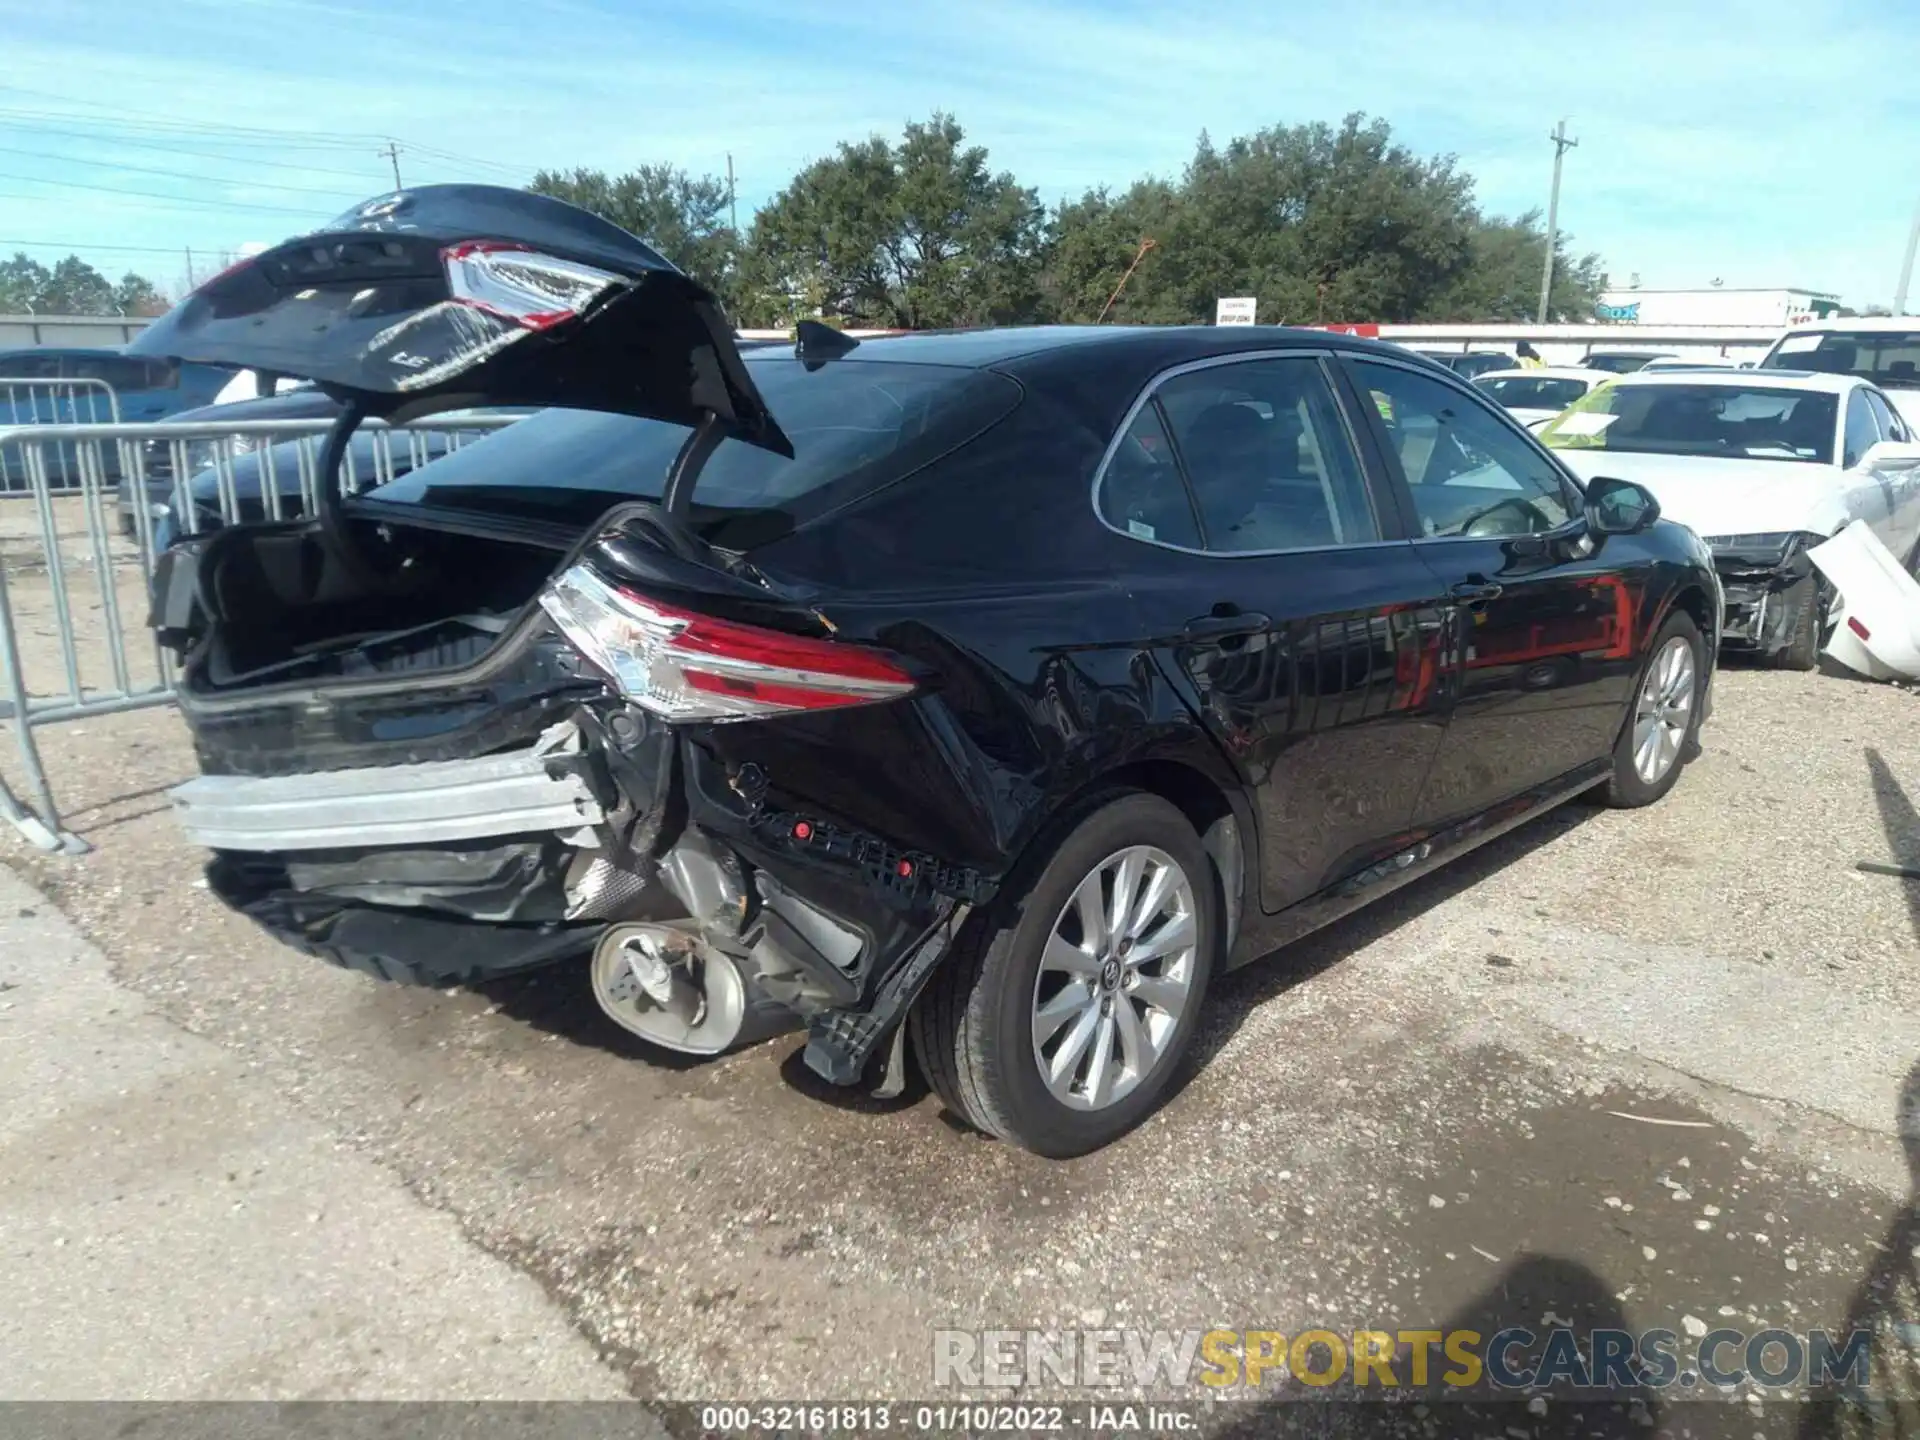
(733, 212)
(1561, 144)
(1138, 255)
(190, 281)
(1906, 265)
(392, 152)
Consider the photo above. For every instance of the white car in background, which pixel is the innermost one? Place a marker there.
(1762, 464)
(1884, 350)
(1534, 397)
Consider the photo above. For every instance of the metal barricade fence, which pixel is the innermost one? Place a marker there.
(31, 400)
(62, 660)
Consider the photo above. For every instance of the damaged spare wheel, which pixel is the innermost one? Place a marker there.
(964, 701)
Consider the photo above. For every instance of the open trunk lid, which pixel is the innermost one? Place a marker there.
(452, 296)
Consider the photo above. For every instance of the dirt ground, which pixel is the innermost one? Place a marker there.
(1444, 1108)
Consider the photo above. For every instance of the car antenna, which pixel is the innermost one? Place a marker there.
(815, 344)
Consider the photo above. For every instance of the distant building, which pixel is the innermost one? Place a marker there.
(1713, 306)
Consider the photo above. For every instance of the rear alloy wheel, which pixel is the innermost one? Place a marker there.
(1665, 717)
(1060, 1021)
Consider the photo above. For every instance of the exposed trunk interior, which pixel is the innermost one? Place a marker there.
(286, 608)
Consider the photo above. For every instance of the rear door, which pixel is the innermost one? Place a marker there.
(1543, 663)
(1286, 598)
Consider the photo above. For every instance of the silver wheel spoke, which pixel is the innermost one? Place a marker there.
(1166, 995)
(1100, 1068)
(1062, 955)
(1047, 1020)
(1093, 923)
(1152, 901)
(1126, 884)
(1169, 939)
(1136, 1044)
(1066, 1060)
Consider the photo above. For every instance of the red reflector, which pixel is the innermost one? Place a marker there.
(803, 831)
(1854, 625)
(904, 869)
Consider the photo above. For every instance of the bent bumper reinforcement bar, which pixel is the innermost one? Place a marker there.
(518, 793)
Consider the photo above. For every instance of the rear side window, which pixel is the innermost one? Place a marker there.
(856, 426)
(1268, 457)
(1888, 358)
(29, 367)
(1143, 492)
(124, 375)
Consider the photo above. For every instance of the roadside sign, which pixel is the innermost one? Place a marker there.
(1235, 310)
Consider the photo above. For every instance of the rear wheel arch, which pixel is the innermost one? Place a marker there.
(1219, 813)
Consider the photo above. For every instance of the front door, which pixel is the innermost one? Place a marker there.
(1305, 634)
(1541, 661)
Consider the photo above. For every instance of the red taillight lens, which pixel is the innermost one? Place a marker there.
(682, 665)
(515, 283)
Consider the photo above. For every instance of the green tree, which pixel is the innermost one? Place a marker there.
(137, 295)
(1092, 242)
(23, 280)
(683, 216)
(1501, 280)
(917, 235)
(73, 287)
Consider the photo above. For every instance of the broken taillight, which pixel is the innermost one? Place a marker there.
(682, 665)
(515, 283)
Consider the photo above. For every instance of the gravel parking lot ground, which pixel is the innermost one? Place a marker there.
(1438, 1111)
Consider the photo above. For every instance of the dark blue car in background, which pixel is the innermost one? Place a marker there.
(51, 385)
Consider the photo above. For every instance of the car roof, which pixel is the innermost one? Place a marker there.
(1814, 380)
(988, 348)
(1857, 322)
(1551, 372)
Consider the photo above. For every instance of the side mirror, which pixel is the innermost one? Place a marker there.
(1619, 507)
(1891, 455)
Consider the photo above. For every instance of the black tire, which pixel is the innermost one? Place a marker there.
(1625, 789)
(1807, 600)
(972, 1029)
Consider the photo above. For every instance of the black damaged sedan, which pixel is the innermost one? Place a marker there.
(973, 698)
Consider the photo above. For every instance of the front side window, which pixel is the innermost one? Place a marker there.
(1891, 425)
(1469, 474)
(1730, 421)
(1268, 457)
(1861, 434)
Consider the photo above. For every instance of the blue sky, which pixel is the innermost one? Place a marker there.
(1761, 143)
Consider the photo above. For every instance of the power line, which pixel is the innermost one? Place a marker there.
(173, 174)
(109, 138)
(154, 195)
(77, 245)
